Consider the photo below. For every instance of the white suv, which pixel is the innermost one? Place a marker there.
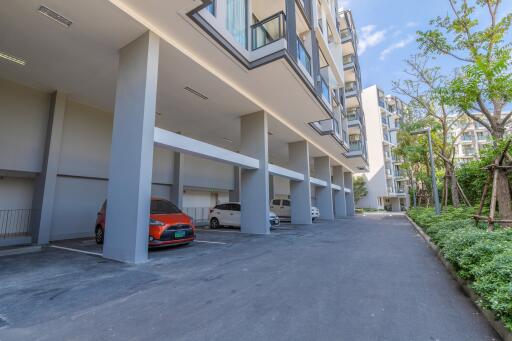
(283, 209)
(228, 214)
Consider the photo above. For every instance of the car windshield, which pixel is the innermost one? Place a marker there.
(163, 207)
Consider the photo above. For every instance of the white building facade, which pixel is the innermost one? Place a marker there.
(387, 183)
(213, 101)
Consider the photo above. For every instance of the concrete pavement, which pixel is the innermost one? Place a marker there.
(361, 278)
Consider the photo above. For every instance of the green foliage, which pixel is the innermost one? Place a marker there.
(479, 43)
(482, 257)
(360, 189)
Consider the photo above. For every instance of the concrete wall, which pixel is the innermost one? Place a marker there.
(376, 177)
(84, 162)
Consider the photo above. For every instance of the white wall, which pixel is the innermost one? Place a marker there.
(376, 177)
(16, 193)
(208, 174)
(24, 120)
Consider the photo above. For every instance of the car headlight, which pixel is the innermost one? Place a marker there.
(154, 222)
(151, 238)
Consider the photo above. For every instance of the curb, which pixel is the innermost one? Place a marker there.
(498, 326)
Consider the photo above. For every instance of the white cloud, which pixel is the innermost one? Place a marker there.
(398, 45)
(412, 24)
(369, 37)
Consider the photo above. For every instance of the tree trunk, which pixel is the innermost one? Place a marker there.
(503, 196)
(455, 190)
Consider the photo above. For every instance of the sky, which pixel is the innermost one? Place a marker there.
(387, 35)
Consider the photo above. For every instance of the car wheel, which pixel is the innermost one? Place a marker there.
(99, 235)
(314, 219)
(214, 223)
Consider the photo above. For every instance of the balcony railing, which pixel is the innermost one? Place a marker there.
(349, 59)
(356, 146)
(15, 223)
(351, 87)
(303, 55)
(325, 90)
(268, 30)
(467, 137)
(346, 34)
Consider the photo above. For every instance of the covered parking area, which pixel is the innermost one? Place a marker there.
(131, 116)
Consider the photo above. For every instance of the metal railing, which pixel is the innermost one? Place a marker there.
(268, 30)
(15, 222)
(356, 146)
(198, 214)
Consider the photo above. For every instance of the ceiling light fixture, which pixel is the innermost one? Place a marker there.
(195, 92)
(54, 16)
(12, 59)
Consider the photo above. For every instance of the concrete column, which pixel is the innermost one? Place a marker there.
(395, 205)
(340, 206)
(300, 191)
(234, 194)
(177, 180)
(271, 187)
(44, 192)
(254, 182)
(324, 194)
(349, 196)
(291, 31)
(131, 161)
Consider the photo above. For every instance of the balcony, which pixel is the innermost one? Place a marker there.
(325, 127)
(324, 87)
(351, 89)
(268, 30)
(354, 118)
(384, 120)
(346, 35)
(356, 146)
(303, 56)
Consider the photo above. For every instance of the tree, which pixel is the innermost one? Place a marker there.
(360, 189)
(422, 89)
(483, 83)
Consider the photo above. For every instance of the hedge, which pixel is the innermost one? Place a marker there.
(481, 257)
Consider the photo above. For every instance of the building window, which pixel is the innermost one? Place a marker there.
(236, 20)
(211, 7)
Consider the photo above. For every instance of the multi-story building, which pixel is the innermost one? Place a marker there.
(386, 181)
(355, 114)
(470, 138)
(195, 101)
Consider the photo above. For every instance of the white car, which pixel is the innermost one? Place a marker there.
(228, 214)
(283, 209)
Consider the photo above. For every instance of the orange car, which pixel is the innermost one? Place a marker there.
(167, 224)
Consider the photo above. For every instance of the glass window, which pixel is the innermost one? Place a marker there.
(211, 7)
(276, 202)
(286, 202)
(234, 207)
(163, 207)
(236, 20)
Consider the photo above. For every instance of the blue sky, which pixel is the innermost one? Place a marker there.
(387, 35)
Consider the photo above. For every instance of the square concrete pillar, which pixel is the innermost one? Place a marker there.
(324, 200)
(131, 161)
(177, 180)
(254, 182)
(340, 206)
(349, 197)
(234, 194)
(300, 191)
(46, 181)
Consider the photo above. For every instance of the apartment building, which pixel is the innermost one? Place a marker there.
(470, 138)
(198, 102)
(387, 183)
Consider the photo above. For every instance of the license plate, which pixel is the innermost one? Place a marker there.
(180, 234)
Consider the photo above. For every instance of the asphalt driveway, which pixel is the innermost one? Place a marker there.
(361, 278)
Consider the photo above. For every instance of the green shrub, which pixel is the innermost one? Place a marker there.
(483, 257)
(493, 283)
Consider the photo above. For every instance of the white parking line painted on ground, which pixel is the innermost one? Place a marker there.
(210, 242)
(76, 250)
(219, 231)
